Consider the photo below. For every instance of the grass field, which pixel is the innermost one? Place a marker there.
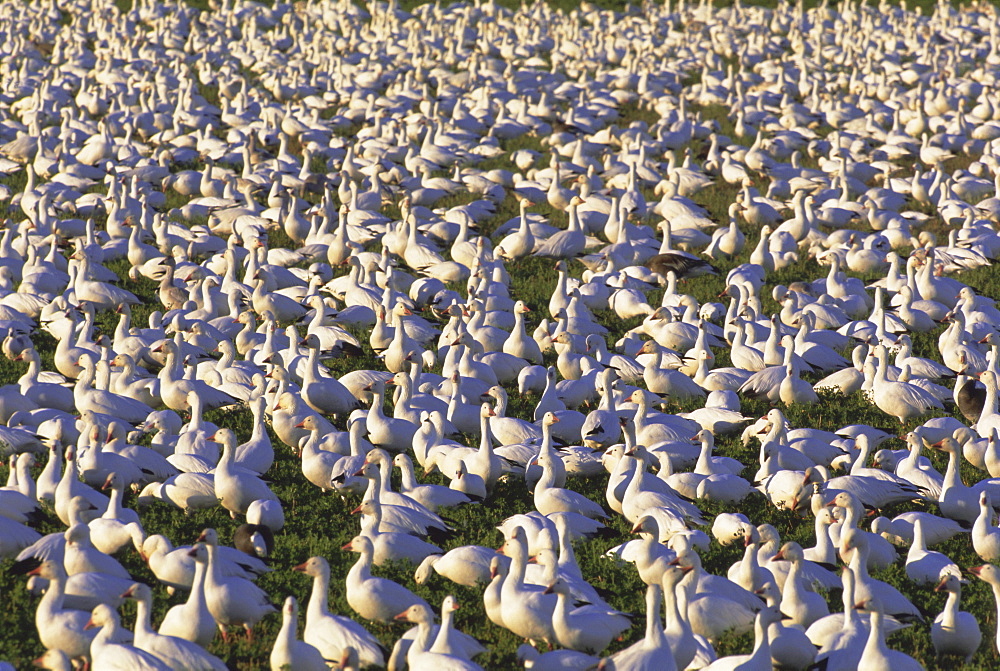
(319, 524)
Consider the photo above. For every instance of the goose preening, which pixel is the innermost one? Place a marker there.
(253, 246)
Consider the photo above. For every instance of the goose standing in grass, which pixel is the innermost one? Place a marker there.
(374, 598)
(954, 632)
(288, 651)
(231, 600)
(178, 653)
(105, 653)
(192, 620)
(333, 634)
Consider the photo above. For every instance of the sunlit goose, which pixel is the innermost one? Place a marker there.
(867, 587)
(192, 620)
(467, 565)
(106, 654)
(652, 652)
(760, 658)
(875, 654)
(550, 499)
(585, 629)
(800, 605)
(390, 545)
(419, 655)
(82, 557)
(288, 651)
(60, 628)
(429, 495)
(118, 526)
(231, 600)
(332, 634)
(954, 632)
(176, 652)
(524, 609)
(236, 488)
(375, 598)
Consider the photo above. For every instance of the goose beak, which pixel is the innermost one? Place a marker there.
(301, 568)
(401, 616)
(346, 546)
(976, 570)
(90, 624)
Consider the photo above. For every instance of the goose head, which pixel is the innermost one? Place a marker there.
(313, 567)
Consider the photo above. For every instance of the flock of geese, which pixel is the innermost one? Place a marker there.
(177, 144)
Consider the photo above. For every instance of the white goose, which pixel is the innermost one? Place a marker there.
(925, 566)
(231, 600)
(420, 655)
(333, 634)
(60, 628)
(236, 488)
(192, 620)
(106, 654)
(375, 598)
(954, 632)
(288, 651)
(176, 652)
(588, 629)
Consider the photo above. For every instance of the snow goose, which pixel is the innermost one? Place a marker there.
(117, 526)
(525, 610)
(60, 628)
(800, 605)
(420, 654)
(192, 620)
(519, 344)
(174, 387)
(288, 651)
(374, 598)
(652, 652)
(551, 499)
(55, 660)
(899, 530)
(467, 565)
(954, 632)
(521, 242)
(231, 600)
(86, 397)
(588, 629)
(317, 463)
(990, 574)
(326, 395)
(333, 634)
(839, 636)
(760, 658)
(985, 535)
(389, 433)
(80, 555)
(876, 655)
(957, 501)
(556, 464)
(866, 587)
(390, 545)
(236, 488)
(509, 430)
(106, 654)
(177, 653)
